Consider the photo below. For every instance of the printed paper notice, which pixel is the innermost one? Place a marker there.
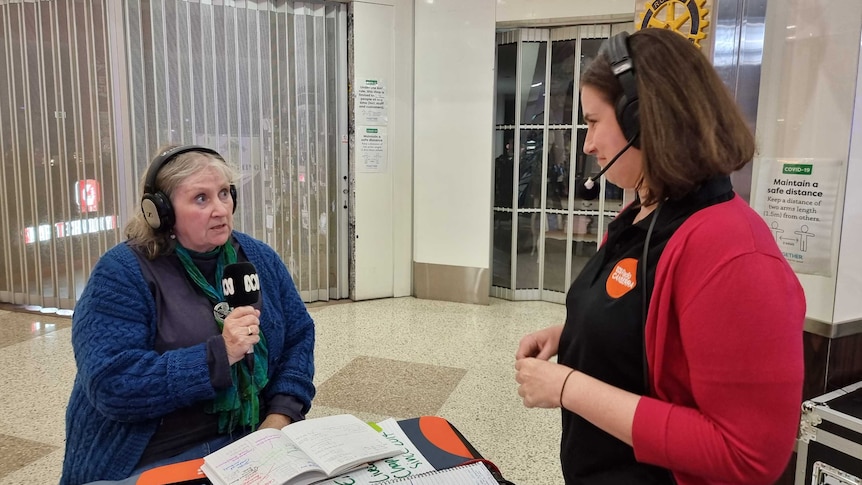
(371, 104)
(798, 199)
(371, 153)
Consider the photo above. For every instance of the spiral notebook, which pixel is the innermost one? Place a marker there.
(472, 474)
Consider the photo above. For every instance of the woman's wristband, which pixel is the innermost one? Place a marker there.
(563, 389)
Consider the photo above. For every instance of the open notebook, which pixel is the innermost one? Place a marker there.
(299, 454)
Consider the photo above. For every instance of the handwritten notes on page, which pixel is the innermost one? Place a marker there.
(409, 462)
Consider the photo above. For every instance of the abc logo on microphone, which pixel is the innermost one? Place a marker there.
(250, 283)
(241, 284)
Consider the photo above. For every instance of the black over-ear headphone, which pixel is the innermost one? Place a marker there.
(155, 204)
(623, 67)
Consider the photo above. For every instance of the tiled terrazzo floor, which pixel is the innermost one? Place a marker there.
(385, 358)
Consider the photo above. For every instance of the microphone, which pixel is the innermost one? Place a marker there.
(241, 287)
(592, 180)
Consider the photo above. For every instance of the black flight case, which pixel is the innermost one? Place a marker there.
(829, 449)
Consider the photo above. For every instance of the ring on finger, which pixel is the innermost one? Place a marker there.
(249, 330)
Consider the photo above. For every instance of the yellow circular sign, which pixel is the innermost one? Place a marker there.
(687, 17)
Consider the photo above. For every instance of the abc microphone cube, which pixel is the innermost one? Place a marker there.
(240, 284)
(241, 287)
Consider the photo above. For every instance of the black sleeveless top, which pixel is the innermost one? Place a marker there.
(603, 334)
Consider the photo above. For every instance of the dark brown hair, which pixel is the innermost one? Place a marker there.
(690, 126)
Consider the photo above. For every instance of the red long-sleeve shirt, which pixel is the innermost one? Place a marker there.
(724, 346)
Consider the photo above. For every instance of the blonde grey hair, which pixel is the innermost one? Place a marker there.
(154, 242)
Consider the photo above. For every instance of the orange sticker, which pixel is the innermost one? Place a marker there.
(622, 278)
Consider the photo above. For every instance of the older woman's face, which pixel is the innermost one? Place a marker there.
(605, 139)
(204, 211)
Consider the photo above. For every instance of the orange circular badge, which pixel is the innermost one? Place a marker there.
(622, 278)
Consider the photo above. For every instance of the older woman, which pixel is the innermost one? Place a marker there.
(162, 370)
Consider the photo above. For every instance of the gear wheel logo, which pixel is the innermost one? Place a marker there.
(686, 17)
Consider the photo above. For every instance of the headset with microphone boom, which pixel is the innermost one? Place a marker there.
(622, 64)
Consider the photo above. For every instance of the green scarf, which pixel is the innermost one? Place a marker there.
(240, 403)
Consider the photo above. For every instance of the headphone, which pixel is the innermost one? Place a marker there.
(628, 117)
(155, 204)
(623, 67)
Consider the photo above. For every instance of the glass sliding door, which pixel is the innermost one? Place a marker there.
(546, 225)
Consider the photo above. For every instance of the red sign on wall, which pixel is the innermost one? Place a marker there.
(88, 194)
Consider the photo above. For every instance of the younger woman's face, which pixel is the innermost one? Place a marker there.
(605, 139)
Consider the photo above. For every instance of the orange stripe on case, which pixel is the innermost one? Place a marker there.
(440, 434)
(183, 471)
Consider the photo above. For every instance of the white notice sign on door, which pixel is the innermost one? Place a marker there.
(371, 104)
(371, 152)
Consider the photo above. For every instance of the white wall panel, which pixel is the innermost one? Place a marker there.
(402, 149)
(810, 76)
(454, 88)
(848, 287)
(525, 11)
(373, 42)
